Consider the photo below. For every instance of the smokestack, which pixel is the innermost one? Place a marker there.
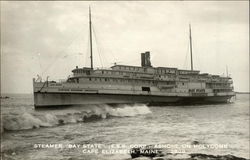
(143, 59)
(147, 59)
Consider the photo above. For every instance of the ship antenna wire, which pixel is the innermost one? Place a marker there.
(97, 44)
(40, 62)
(59, 54)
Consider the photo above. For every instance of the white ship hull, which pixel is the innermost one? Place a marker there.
(70, 99)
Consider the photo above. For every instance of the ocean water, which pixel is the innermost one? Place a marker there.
(105, 132)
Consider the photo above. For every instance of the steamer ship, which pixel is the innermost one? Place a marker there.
(125, 84)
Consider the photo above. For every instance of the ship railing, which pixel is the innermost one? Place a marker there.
(222, 87)
(53, 81)
(100, 68)
(221, 81)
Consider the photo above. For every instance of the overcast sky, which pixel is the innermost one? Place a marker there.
(51, 38)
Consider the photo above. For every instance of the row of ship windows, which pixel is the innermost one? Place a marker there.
(131, 74)
(117, 80)
(218, 85)
(130, 68)
(222, 90)
(121, 73)
(196, 90)
(165, 71)
(145, 69)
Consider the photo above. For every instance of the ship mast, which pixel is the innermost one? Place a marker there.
(90, 36)
(191, 53)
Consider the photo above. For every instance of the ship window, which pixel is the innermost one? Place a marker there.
(145, 89)
(77, 80)
(102, 72)
(183, 84)
(90, 79)
(106, 79)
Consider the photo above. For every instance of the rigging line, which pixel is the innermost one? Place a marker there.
(39, 62)
(60, 52)
(113, 55)
(101, 48)
(97, 45)
(115, 59)
(135, 60)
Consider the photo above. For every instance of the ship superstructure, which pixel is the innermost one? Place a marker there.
(124, 84)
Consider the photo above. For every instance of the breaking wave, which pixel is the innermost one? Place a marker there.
(49, 118)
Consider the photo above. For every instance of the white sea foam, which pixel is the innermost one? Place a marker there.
(49, 118)
(128, 111)
(21, 121)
